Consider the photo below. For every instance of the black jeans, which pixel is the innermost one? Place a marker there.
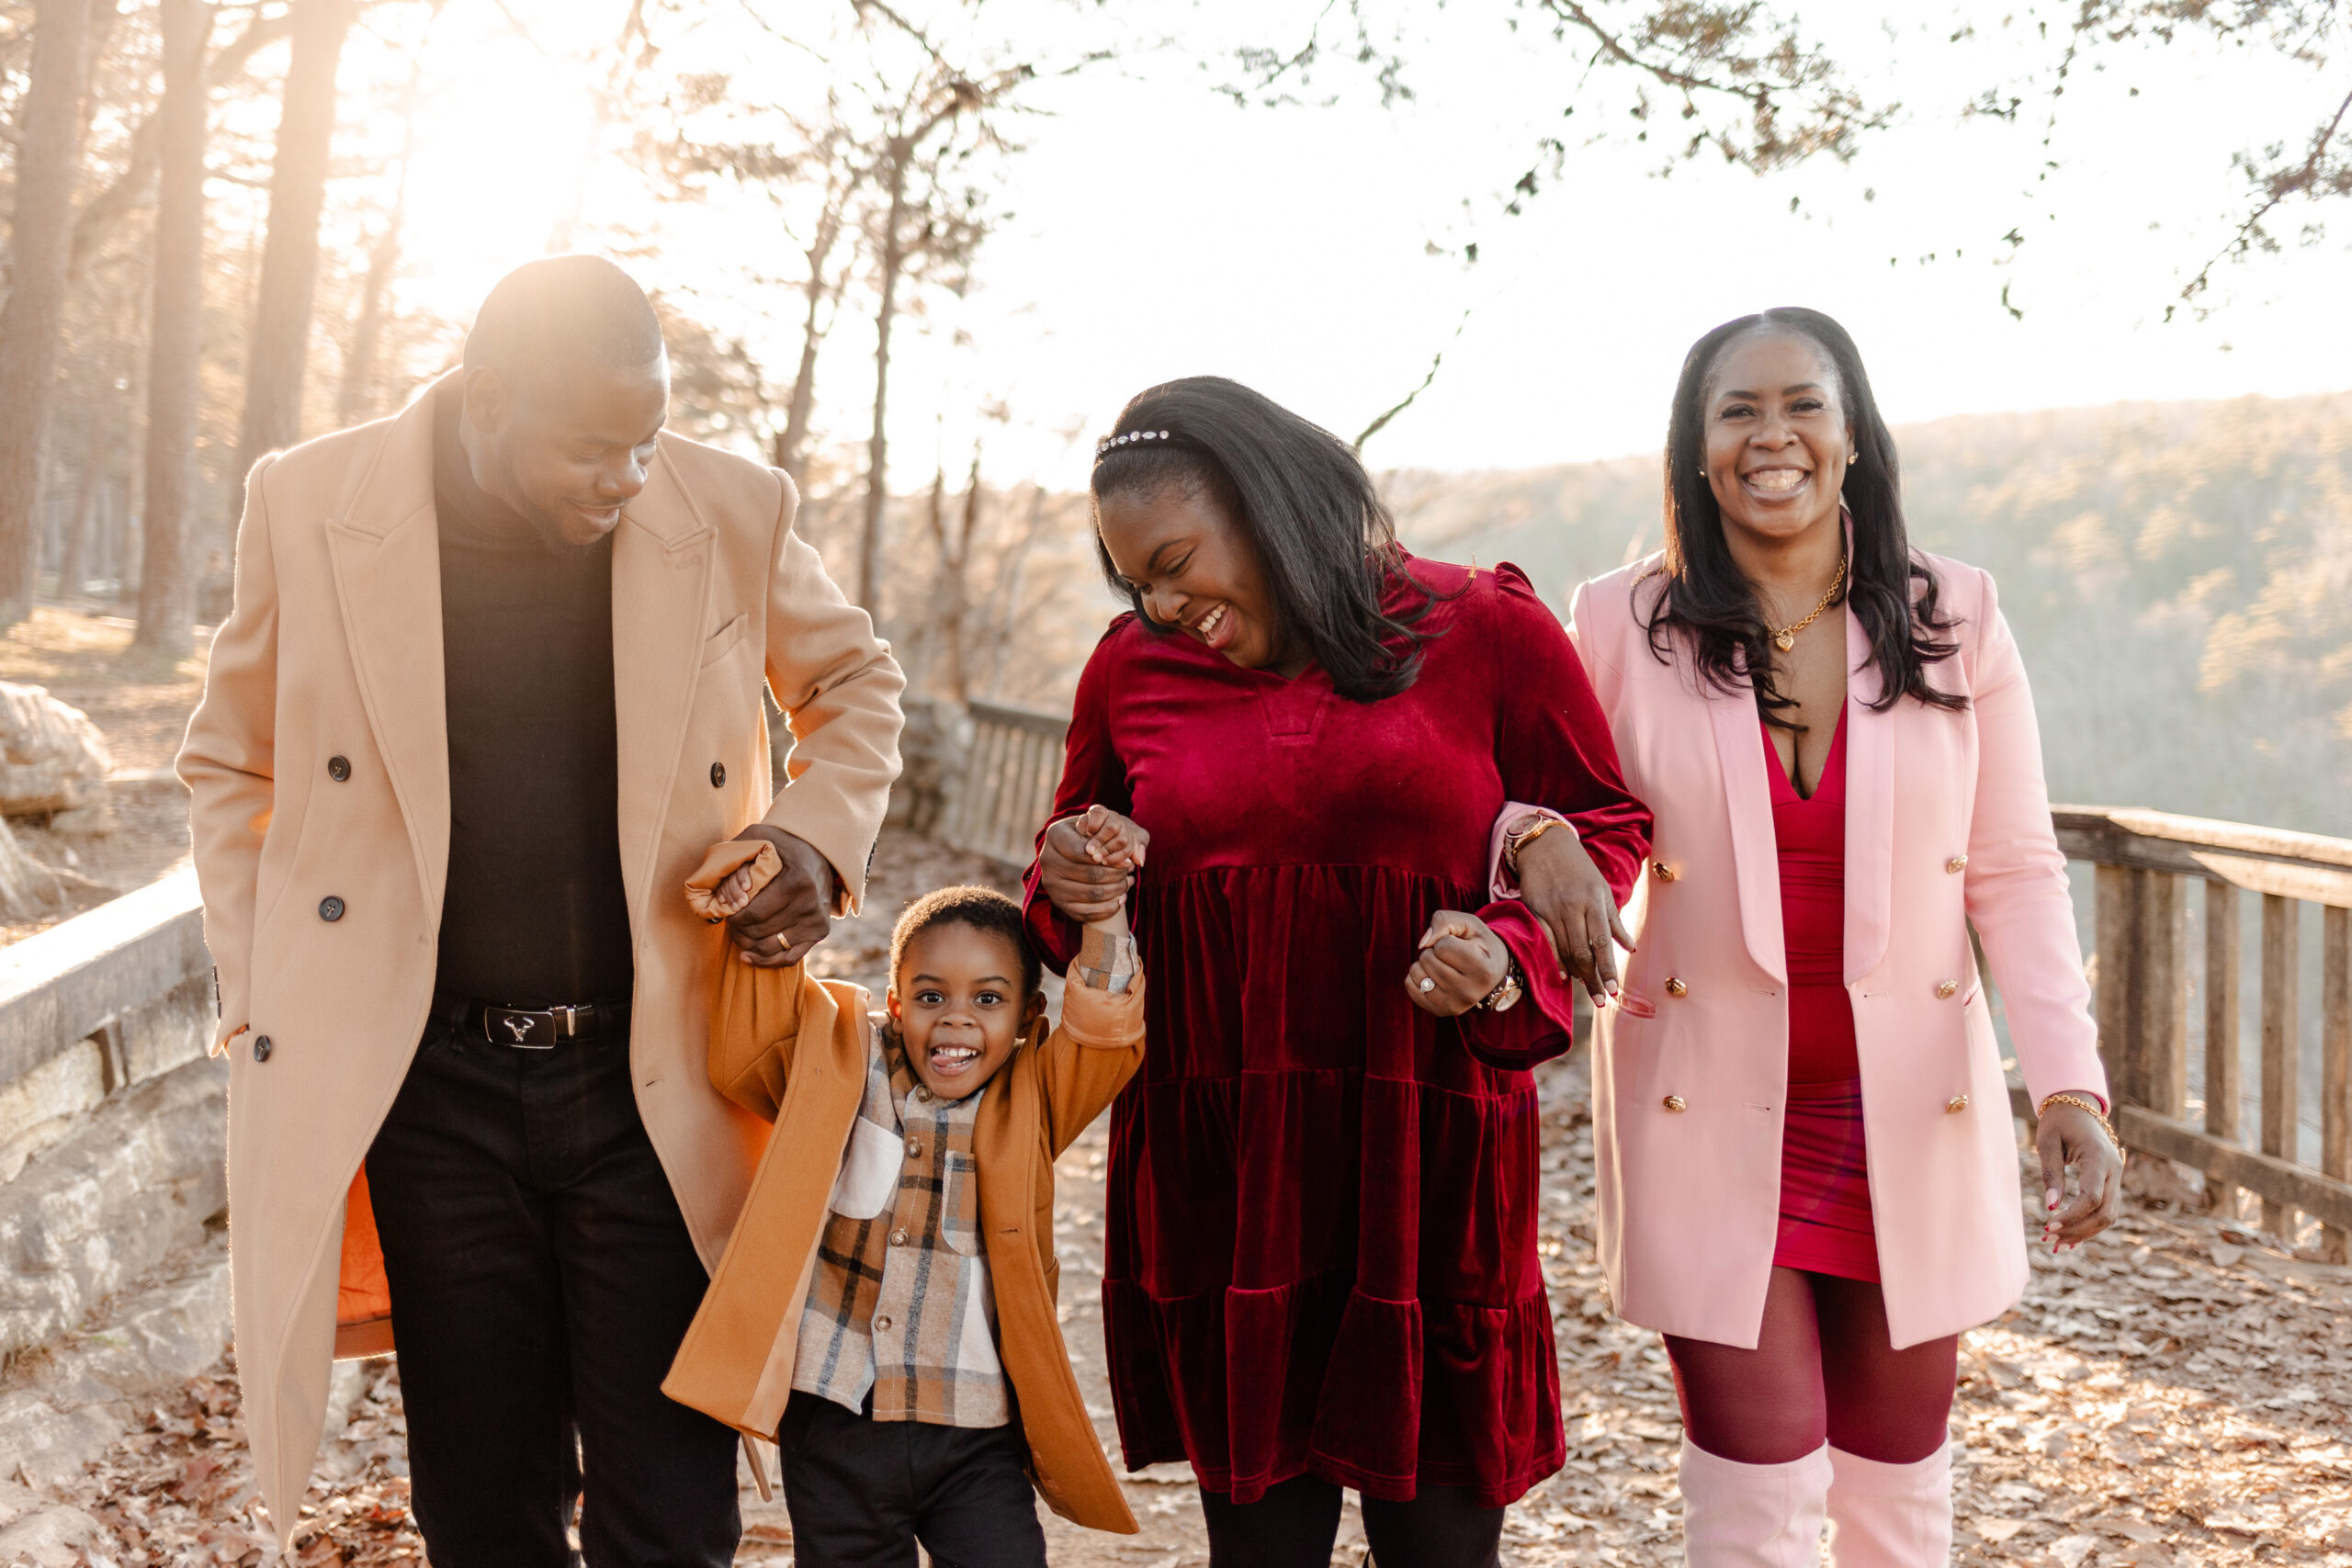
(541, 1280)
(1296, 1523)
(862, 1492)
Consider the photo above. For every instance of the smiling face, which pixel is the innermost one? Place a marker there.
(959, 1006)
(1777, 436)
(567, 450)
(1191, 565)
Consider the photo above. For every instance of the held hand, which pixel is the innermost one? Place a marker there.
(1113, 840)
(2070, 1135)
(729, 897)
(1087, 863)
(1564, 891)
(1461, 961)
(793, 913)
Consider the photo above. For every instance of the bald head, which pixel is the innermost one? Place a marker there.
(566, 388)
(562, 314)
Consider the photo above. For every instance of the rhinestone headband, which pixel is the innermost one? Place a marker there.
(1111, 444)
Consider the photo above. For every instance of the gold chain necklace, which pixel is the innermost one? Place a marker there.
(1786, 638)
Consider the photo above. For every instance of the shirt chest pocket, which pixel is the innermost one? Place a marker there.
(959, 1202)
(869, 1174)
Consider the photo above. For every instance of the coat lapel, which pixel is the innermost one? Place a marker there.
(1748, 795)
(1869, 808)
(386, 549)
(662, 564)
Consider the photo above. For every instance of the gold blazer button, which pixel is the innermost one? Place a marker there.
(1674, 1102)
(1663, 871)
(1947, 989)
(1675, 987)
(1955, 1105)
(1956, 864)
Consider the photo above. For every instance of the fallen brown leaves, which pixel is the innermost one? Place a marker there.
(181, 1492)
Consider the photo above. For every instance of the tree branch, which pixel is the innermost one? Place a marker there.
(1377, 425)
(2277, 187)
(99, 215)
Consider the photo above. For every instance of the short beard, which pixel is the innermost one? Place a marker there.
(550, 538)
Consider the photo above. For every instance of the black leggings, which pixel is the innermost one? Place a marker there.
(1295, 1524)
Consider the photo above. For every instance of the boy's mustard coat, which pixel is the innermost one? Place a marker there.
(793, 1051)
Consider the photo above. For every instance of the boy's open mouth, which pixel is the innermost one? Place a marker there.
(954, 1061)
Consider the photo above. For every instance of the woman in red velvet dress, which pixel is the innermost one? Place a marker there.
(1321, 1259)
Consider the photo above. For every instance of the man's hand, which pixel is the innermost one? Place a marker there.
(1462, 962)
(1565, 891)
(793, 913)
(1088, 863)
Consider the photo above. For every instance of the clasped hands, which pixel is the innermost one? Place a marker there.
(1088, 863)
(776, 925)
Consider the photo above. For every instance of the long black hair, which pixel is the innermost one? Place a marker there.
(1326, 540)
(1709, 601)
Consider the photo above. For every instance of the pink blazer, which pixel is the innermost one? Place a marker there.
(1948, 822)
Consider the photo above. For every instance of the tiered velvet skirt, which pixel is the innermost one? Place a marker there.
(1322, 1221)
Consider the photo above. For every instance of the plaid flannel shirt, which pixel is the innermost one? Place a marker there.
(899, 1302)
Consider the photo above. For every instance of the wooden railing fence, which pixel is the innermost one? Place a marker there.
(2148, 862)
(1007, 789)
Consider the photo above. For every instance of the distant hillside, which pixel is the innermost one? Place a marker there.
(2179, 576)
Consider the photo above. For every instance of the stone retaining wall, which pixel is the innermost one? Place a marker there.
(111, 1111)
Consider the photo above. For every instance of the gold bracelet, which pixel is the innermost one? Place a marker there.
(2069, 1097)
(1514, 844)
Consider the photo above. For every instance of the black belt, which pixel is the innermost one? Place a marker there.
(532, 1029)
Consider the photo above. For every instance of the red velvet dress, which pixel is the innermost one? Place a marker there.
(1322, 1201)
(1826, 1226)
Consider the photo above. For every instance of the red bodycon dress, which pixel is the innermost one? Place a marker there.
(1826, 1224)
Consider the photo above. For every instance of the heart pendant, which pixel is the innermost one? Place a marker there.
(1784, 640)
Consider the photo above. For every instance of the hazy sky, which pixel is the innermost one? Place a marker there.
(1159, 230)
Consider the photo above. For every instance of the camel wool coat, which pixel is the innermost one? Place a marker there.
(792, 1050)
(1947, 824)
(318, 768)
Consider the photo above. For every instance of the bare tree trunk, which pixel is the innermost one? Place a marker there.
(955, 583)
(176, 344)
(894, 261)
(73, 566)
(355, 400)
(792, 446)
(48, 152)
(280, 345)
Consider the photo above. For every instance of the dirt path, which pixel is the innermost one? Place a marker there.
(2167, 1395)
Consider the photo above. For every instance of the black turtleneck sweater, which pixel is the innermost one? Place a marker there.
(536, 914)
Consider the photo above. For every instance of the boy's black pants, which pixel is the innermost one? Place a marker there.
(862, 1492)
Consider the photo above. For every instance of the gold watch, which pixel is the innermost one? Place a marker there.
(1518, 838)
(1507, 991)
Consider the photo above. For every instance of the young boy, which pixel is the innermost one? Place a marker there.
(885, 1307)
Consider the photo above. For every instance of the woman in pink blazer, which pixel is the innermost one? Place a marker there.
(1807, 1170)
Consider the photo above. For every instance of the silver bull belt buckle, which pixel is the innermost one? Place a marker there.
(528, 1029)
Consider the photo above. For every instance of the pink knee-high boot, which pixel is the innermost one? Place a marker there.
(1752, 1515)
(1889, 1516)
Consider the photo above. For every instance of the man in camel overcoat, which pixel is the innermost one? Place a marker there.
(490, 691)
